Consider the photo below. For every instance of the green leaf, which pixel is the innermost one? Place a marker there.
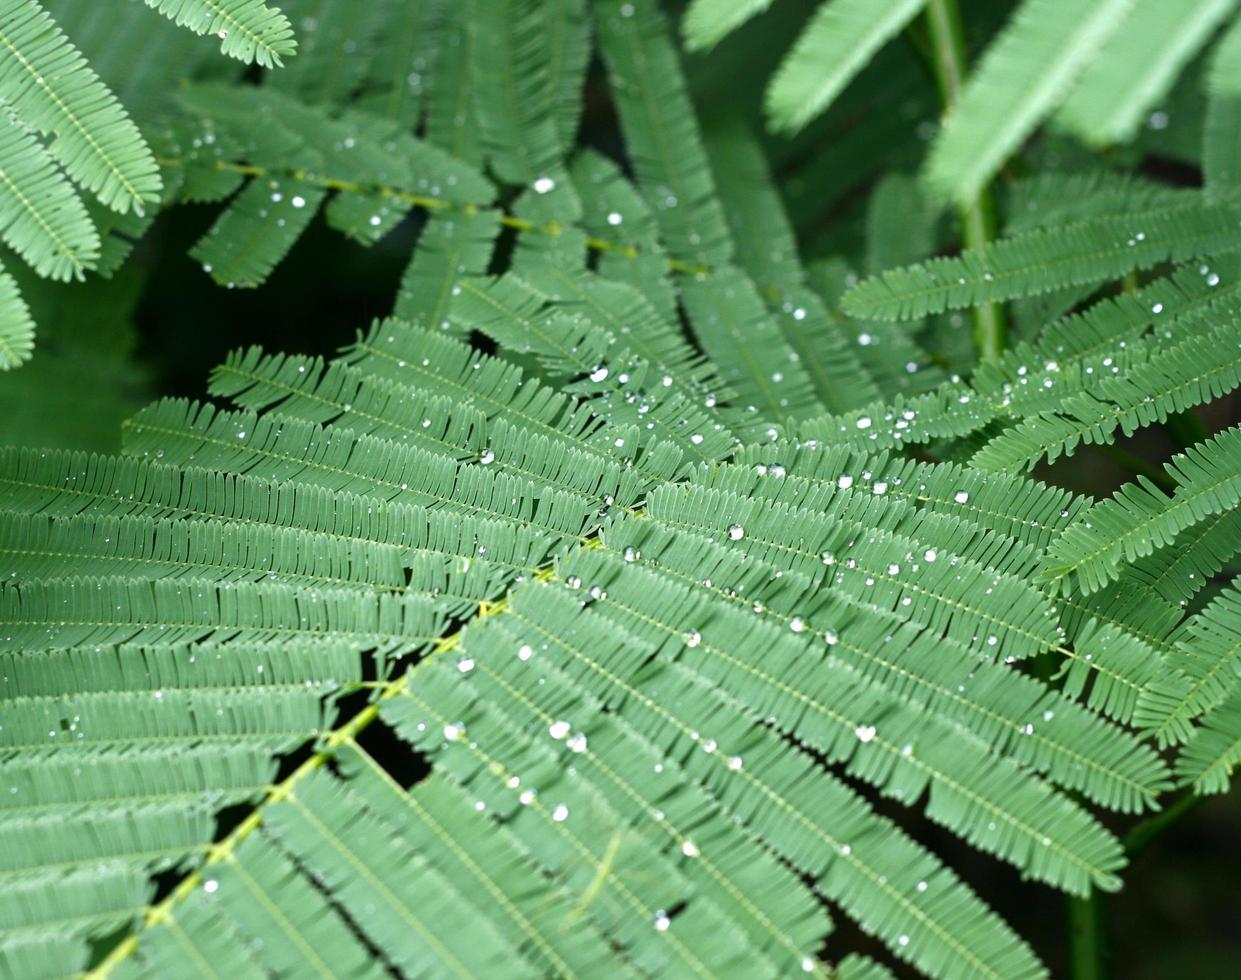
(1137, 65)
(1140, 517)
(250, 30)
(707, 22)
(41, 217)
(16, 325)
(1152, 228)
(1024, 74)
(52, 90)
(838, 42)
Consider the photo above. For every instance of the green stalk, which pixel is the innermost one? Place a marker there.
(1085, 917)
(977, 216)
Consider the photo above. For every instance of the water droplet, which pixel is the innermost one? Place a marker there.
(599, 374)
(662, 922)
(614, 218)
(844, 482)
(298, 201)
(487, 457)
(543, 185)
(465, 665)
(930, 554)
(525, 652)
(211, 886)
(558, 729)
(961, 497)
(577, 743)
(797, 624)
(734, 763)
(689, 849)
(863, 422)
(736, 532)
(452, 732)
(864, 733)
(561, 813)
(693, 638)
(831, 637)
(632, 553)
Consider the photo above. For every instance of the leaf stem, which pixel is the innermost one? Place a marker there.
(1085, 917)
(977, 216)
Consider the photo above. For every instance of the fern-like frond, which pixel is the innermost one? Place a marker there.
(531, 58)
(738, 771)
(125, 752)
(41, 218)
(1024, 73)
(16, 325)
(842, 36)
(1208, 759)
(328, 32)
(767, 250)
(1141, 517)
(396, 75)
(452, 121)
(1018, 508)
(1197, 555)
(1203, 366)
(52, 90)
(340, 460)
(919, 666)
(250, 30)
(1173, 226)
(611, 202)
(950, 411)
(569, 346)
(300, 154)
(1207, 658)
(1221, 137)
(731, 320)
(450, 245)
(889, 353)
(707, 22)
(1137, 65)
(72, 612)
(661, 131)
(257, 230)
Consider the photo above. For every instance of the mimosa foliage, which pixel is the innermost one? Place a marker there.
(604, 610)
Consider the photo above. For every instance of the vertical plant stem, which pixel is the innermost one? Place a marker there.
(977, 217)
(1085, 917)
